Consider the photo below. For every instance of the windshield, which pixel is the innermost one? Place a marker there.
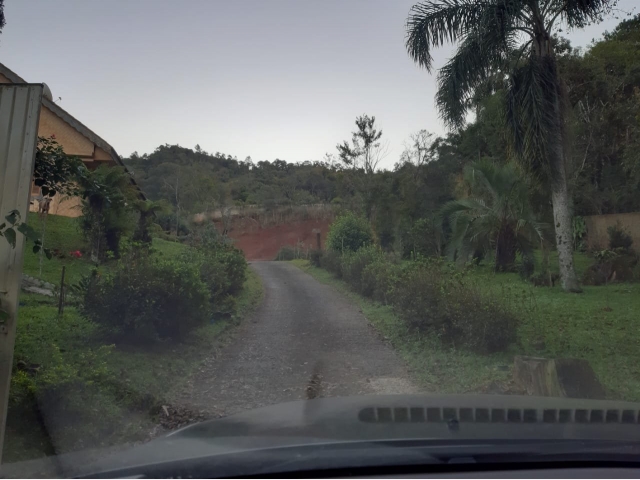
(213, 207)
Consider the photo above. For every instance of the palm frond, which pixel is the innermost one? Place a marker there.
(532, 100)
(579, 13)
(474, 63)
(432, 23)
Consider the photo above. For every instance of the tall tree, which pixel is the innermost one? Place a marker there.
(363, 156)
(513, 36)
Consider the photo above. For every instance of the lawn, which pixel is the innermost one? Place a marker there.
(63, 236)
(600, 325)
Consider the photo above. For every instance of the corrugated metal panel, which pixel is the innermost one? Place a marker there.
(19, 116)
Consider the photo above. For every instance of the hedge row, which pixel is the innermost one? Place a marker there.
(429, 294)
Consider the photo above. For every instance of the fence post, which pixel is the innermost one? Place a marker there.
(61, 299)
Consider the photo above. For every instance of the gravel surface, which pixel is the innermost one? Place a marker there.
(306, 340)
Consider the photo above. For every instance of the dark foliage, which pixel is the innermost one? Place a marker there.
(146, 300)
(619, 238)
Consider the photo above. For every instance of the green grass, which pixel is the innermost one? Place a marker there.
(600, 325)
(142, 375)
(63, 235)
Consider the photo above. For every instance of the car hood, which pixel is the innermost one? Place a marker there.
(327, 421)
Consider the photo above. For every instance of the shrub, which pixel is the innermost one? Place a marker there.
(349, 232)
(332, 262)
(286, 253)
(223, 270)
(611, 266)
(619, 238)
(422, 238)
(148, 299)
(379, 279)
(354, 263)
(433, 298)
(315, 257)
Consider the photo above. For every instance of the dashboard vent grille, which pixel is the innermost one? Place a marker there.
(494, 415)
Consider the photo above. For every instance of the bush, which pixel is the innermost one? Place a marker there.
(379, 279)
(619, 238)
(349, 232)
(354, 263)
(422, 238)
(286, 253)
(223, 269)
(315, 257)
(147, 299)
(431, 296)
(434, 298)
(332, 262)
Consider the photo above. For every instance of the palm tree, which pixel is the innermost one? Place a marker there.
(147, 209)
(495, 216)
(512, 38)
(105, 194)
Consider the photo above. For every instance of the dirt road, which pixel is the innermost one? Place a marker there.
(306, 340)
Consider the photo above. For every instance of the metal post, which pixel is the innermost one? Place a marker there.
(19, 117)
(61, 299)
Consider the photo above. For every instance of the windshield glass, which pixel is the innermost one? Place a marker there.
(208, 208)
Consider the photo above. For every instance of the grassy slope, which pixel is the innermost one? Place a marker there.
(599, 325)
(153, 371)
(62, 234)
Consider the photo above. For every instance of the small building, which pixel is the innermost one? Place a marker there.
(75, 138)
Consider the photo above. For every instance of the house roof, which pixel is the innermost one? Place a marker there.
(76, 124)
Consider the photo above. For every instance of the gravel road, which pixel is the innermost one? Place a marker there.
(305, 340)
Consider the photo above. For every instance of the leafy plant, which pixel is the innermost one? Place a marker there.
(106, 193)
(619, 238)
(147, 210)
(13, 224)
(579, 233)
(54, 171)
(146, 300)
(495, 216)
(349, 232)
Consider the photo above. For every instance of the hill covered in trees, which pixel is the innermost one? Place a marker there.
(603, 86)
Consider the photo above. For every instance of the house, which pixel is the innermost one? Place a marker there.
(75, 138)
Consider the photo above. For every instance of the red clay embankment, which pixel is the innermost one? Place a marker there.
(261, 233)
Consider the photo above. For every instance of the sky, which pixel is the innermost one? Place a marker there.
(262, 78)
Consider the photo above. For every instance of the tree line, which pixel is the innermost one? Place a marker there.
(594, 135)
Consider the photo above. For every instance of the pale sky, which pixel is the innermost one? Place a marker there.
(262, 78)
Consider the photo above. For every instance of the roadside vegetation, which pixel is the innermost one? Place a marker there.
(471, 250)
(100, 352)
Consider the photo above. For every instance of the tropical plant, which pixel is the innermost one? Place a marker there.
(495, 216)
(147, 210)
(106, 195)
(516, 38)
